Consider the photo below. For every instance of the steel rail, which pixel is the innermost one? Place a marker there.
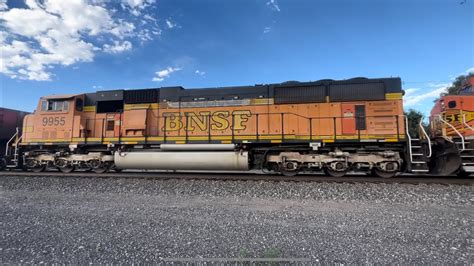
(244, 176)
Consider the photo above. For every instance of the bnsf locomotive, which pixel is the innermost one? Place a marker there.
(333, 126)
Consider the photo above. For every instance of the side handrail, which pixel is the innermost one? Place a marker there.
(427, 137)
(409, 139)
(9, 141)
(455, 130)
(466, 124)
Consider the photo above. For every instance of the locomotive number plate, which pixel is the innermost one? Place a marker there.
(54, 121)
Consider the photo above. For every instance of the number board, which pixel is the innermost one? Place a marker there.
(54, 121)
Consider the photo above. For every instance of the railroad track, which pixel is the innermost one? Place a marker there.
(228, 176)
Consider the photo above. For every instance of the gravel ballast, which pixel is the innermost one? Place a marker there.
(119, 220)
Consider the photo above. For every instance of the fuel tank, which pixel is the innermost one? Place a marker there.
(197, 147)
(183, 160)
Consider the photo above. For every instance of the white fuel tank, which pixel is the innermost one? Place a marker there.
(174, 160)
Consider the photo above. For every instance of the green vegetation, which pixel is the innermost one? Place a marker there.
(458, 84)
(414, 118)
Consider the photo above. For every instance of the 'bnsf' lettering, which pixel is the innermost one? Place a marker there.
(219, 120)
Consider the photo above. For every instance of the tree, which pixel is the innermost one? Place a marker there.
(414, 118)
(458, 84)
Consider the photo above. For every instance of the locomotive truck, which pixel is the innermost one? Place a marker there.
(335, 126)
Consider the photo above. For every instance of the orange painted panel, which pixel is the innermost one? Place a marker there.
(348, 120)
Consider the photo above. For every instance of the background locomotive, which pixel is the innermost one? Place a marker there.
(452, 128)
(334, 126)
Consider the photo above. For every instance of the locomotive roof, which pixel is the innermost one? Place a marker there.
(290, 91)
(59, 96)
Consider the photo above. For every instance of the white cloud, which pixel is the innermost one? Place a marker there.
(136, 7)
(410, 99)
(117, 47)
(170, 24)
(410, 91)
(273, 5)
(469, 70)
(200, 73)
(49, 33)
(3, 4)
(267, 30)
(165, 73)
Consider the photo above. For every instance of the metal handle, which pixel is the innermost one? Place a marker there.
(427, 137)
(409, 139)
(455, 130)
(466, 124)
(9, 141)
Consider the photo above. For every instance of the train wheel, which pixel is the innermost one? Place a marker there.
(334, 173)
(66, 169)
(38, 168)
(289, 169)
(288, 173)
(64, 166)
(379, 173)
(100, 170)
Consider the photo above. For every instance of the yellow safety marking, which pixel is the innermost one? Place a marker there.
(152, 106)
(394, 96)
(28, 129)
(269, 136)
(156, 138)
(180, 142)
(229, 138)
(275, 141)
(89, 108)
(260, 101)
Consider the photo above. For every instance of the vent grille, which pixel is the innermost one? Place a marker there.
(357, 92)
(141, 96)
(300, 94)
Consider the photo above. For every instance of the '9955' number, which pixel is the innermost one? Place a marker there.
(54, 121)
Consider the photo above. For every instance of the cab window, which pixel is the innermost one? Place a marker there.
(452, 104)
(54, 105)
(79, 105)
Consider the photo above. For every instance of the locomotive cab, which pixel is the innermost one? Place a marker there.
(53, 119)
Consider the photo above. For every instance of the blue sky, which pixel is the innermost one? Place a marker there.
(74, 46)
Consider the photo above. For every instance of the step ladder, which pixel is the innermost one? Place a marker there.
(12, 155)
(466, 152)
(419, 150)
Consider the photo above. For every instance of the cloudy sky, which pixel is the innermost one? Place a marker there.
(74, 46)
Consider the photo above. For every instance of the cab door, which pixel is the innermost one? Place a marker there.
(348, 119)
(353, 118)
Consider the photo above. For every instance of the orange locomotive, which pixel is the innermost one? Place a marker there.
(335, 126)
(452, 125)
